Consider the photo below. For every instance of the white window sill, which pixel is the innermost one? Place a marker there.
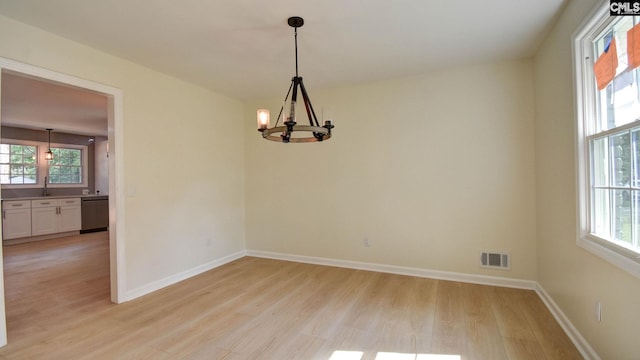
(627, 260)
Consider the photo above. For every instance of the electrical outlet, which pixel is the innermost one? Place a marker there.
(598, 311)
(366, 242)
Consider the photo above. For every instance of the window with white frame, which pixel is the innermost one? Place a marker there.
(66, 166)
(606, 59)
(18, 164)
(22, 165)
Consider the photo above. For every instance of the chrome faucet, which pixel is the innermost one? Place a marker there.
(45, 191)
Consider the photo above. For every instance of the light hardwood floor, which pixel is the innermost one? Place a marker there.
(57, 295)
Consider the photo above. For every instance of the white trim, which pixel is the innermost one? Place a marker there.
(401, 270)
(173, 279)
(116, 164)
(623, 262)
(574, 335)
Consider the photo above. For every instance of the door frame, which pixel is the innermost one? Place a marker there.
(116, 177)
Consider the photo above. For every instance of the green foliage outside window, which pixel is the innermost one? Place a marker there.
(66, 166)
(18, 164)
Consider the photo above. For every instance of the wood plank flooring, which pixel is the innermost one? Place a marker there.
(57, 299)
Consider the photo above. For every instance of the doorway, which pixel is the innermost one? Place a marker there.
(115, 178)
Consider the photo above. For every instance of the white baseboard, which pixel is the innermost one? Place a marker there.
(578, 340)
(574, 335)
(401, 270)
(170, 280)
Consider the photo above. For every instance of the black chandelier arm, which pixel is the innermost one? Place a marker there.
(311, 114)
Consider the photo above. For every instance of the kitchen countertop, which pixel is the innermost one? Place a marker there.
(92, 196)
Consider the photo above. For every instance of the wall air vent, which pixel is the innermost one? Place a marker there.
(495, 260)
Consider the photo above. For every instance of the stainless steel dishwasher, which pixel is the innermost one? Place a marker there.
(95, 213)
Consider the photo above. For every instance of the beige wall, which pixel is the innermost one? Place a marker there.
(432, 169)
(573, 277)
(183, 156)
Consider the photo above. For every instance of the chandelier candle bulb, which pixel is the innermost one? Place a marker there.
(263, 119)
(292, 113)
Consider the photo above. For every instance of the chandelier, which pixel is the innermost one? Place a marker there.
(285, 132)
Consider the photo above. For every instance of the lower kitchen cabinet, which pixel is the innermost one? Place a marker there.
(44, 219)
(69, 215)
(49, 216)
(16, 219)
(25, 218)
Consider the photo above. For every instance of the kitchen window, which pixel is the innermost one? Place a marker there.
(18, 164)
(606, 60)
(22, 165)
(66, 166)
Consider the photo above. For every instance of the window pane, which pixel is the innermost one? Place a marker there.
(618, 103)
(16, 169)
(66, 168)
(622, 216)
(635, 195)
(600, 162)
(18, 164)
(600, 214)
(29, 155)
(30, 170)
(16, 149)
(29, 179)
(621, 162)
(635, 152)
(75, 159)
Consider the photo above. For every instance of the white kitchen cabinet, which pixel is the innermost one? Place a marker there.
(16, 219)
(44, 216)
(49, 216)
(69, 215)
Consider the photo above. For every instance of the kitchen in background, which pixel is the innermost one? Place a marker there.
(78, 117)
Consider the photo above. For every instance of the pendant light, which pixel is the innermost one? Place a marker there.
(284, 133)
(48, 155)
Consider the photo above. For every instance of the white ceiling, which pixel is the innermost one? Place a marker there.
(245, 49)
(34, 103)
